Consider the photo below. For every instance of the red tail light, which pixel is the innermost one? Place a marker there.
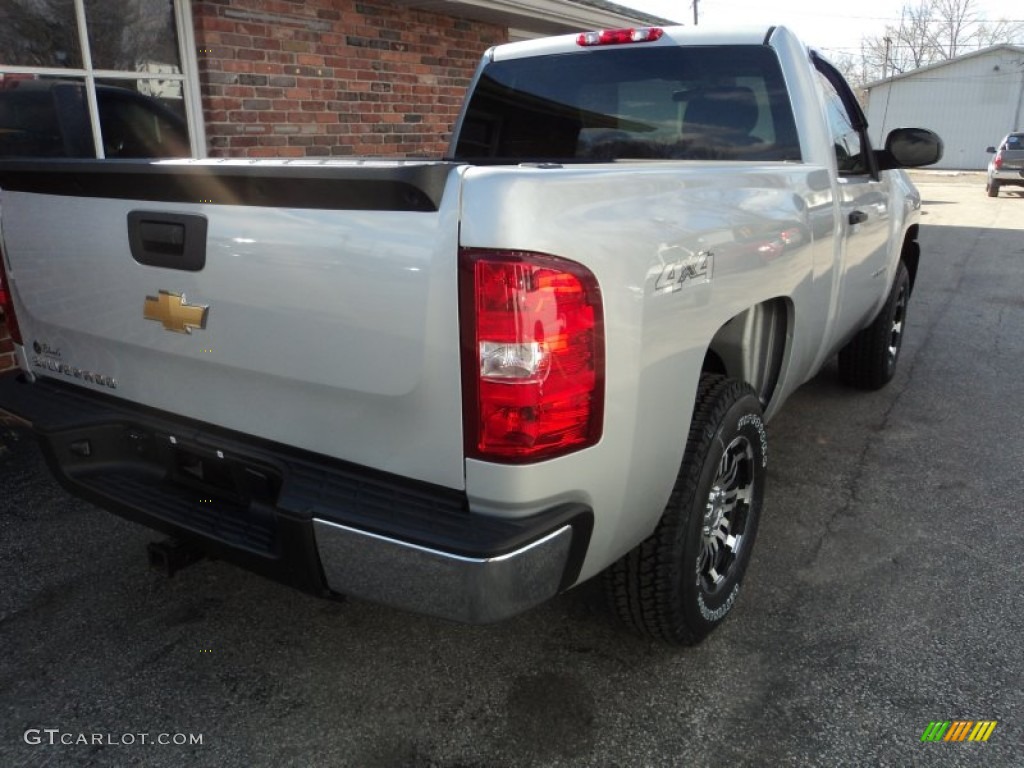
(997, 161)
(533, 355)
(7, 302)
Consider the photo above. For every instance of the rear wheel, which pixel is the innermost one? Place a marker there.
(869, 360)
(680, 583)
(992, 188)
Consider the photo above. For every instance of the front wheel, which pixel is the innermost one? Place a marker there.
(869, 360)
(680, 583)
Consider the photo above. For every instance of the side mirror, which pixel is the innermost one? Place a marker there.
(910, 148)
(991, 150)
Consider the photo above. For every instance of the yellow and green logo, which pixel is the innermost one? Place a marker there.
(958, 730)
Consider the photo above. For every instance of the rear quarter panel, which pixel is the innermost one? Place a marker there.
(630, 223)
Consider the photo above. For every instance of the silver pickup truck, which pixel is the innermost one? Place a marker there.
(462, 386)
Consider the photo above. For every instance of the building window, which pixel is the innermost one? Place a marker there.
(92, 78)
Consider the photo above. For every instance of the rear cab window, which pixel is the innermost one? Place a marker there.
(1013, 142)
(686, 103)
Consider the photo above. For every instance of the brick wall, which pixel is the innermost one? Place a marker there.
(332, 77)
(6, 348)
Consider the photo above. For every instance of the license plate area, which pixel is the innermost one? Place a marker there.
(212, 474)
(197, 487)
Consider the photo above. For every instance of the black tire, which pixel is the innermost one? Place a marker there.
(992, 188)
(681, 582)
(869, 360)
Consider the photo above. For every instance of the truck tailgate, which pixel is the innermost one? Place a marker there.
(313, 304)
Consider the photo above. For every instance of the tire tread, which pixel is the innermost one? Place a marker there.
(640, 586)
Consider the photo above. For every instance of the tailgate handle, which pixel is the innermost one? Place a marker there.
(169, 240)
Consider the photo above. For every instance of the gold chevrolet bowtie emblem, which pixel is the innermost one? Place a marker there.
(174, 312)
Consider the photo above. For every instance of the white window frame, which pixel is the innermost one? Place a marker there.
(188, 77)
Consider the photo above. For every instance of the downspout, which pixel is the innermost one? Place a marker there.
(1020, 100)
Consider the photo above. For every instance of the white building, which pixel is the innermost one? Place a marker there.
(971, 101)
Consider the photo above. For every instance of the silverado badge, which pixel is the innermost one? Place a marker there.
(174, 311)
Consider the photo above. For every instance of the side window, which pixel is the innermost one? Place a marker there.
(846, 139)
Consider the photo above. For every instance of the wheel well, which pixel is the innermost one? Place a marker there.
(713, 364)
(911, 254)
(751, 347)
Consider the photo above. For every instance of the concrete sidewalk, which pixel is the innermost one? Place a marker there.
(926, 176)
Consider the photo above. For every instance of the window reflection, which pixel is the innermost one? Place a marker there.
(140, 104)
(133, 35)
(49, 117)
(44, 117)
(39, 33)
(142, 118)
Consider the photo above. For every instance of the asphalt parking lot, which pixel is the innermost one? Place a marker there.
(886, 592)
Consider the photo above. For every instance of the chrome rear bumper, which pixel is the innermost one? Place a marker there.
(474, 590)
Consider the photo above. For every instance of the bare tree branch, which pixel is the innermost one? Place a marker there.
(933, 31)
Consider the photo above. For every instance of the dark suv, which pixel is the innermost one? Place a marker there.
(50, 118)
(1007, 164)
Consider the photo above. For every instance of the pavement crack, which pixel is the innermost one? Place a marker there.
(158, 654)
(855, 478)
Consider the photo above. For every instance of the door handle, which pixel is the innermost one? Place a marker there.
(858, 217)
(162, 236)
(169, 240)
